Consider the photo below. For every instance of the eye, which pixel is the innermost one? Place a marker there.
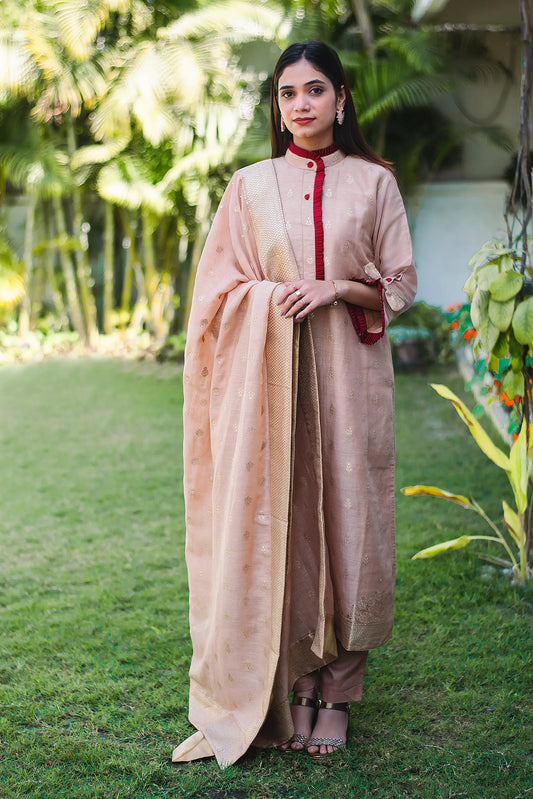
(317, 90)
(287, 93)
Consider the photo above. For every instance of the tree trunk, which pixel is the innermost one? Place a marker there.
(364, 23)
(151, 276)
(25, 306)
(109, 253)
(130, 229)
(68, 272)
(85, 279)
(49, 267)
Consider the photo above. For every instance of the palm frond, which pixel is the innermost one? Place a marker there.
(125, 182)
(74, 87)
(98, 153)
(417, 48)
(79, 22)
(238, 20)
(41, 169)
(385, 86)
(18, 71)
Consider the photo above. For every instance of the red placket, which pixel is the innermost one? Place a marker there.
(316, 156)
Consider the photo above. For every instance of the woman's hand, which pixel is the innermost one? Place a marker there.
(302, 297)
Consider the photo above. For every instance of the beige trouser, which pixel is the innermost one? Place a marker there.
(339, 681)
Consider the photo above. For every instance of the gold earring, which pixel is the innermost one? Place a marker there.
(282, 125)
(340, 115)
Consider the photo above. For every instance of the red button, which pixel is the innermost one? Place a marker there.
(307, 196)
(309, 164)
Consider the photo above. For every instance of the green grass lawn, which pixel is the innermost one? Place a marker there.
(94, 646)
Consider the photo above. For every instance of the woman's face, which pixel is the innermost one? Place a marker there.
(308, 105)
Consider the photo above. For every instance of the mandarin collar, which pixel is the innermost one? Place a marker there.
(304, 159)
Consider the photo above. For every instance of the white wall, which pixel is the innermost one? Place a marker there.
(449, 222)
(490, 101)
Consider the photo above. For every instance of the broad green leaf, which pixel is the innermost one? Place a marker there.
(486, 275)
(512, 520)
(507, 261)
(494, 362)
(446, 546)
(519, 473)
(482, 439)
(501, 313)
(513, 384)
(523, 321)
(479, 307)
(491, 250)
(501, 348)
(470, 285)
(488, 333)
(433, 491)
(516, 349)
(506, 285)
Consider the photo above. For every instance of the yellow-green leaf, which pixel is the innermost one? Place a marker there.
(433, 491)
(486, 275)
(470, 284)
(488, 332)
(501, 313)
(523, 321)
(446, 546)
(519, 473)
(481, 438)
(506, 286)
(479, 306)
(512, 520)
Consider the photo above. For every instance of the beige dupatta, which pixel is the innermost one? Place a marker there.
(239, 385)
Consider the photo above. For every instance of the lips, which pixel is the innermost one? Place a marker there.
(303, 120)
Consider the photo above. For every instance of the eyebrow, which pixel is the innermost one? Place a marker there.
(309, 83)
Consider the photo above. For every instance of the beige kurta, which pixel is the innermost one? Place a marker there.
(289, 445)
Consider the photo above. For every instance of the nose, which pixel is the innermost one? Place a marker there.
(302, 102)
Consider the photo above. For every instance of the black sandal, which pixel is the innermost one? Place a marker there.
(303, 701)
(338, 743)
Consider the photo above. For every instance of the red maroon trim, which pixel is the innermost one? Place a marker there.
(314, 154)
(317, 217)
(359, 318)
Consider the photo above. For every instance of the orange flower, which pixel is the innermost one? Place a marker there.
(454, 325)
(515, 436)
(468, 334)
(504, 398)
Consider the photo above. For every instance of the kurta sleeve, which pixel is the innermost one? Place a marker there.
(393, 270)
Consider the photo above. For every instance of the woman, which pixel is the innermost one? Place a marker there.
(289, 440)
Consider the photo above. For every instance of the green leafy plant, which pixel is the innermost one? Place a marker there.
(499, 289)
(517, 523)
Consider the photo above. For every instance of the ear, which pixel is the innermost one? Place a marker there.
(341, 97)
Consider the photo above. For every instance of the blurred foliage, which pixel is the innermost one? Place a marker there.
(123, 120)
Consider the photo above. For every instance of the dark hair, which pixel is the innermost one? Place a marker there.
(348, 136)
